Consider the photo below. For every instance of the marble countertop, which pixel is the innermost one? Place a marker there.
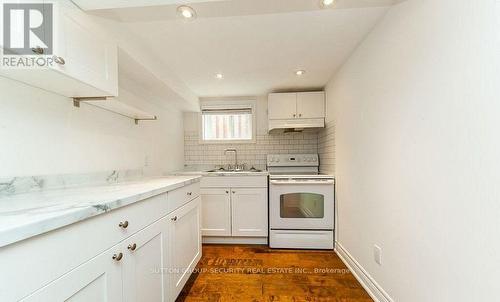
(26, 215)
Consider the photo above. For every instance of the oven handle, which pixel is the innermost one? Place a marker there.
(292, 182)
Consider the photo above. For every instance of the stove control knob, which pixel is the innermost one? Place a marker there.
(314, 159)
(277, 160)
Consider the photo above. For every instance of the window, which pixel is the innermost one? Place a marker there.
(227, 123)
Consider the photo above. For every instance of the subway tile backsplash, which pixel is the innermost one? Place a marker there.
(253, 154)
(326, 149)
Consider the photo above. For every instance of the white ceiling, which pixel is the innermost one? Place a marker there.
(256, 44)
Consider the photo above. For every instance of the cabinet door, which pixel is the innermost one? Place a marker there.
(89, 65)
(184, 244)
(249, 212)
(146, 254)
(311, 104)
(89, 56)
(282, 105)
(98, 280)
(216, 212)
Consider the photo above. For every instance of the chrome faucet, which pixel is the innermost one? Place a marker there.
(235, 157)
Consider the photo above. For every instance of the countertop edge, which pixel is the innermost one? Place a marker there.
(18, 233)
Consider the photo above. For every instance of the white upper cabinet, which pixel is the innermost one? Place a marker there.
(90, 55)
(84, 58)
(311, 104)
(296, 110)
(282, 105)
(301, 105)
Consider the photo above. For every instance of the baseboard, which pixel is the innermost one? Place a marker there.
(374, 290)
(235, 240)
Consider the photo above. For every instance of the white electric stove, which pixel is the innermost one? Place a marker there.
(301, 203)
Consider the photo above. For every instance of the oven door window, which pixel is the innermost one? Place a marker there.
(302, 205)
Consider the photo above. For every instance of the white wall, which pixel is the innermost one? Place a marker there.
(416, 111)
(41, 133)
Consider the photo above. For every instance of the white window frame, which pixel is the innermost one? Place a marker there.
(221, 105)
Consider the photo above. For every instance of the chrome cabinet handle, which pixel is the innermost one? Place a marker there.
(123, 224)
(118, 257)
(189, 193)
(174, 218)
(132, 247)
(38, 50)
(59, 60)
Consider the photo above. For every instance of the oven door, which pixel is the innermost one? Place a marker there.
(301, 204)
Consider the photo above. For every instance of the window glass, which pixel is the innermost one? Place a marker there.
(227, 124)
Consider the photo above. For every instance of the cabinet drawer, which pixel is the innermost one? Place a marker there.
(182, 196)
(32, 263)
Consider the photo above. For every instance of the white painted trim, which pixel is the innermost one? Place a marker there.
(235, 240)
(375, 291)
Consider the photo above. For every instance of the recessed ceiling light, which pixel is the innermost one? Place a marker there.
(300, 72)
(186, 12)
(326, 3)
(219, 76)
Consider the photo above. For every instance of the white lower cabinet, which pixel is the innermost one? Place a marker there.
(152, 264)
(185, 244)
(99, 279)
(234, 207)
(249, 212)
(145, 255)
(216, 208)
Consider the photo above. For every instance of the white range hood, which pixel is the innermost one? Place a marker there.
(296, 125)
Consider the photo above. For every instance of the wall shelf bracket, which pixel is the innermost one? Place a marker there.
(78, 100)
(145, 119)
(114, 105)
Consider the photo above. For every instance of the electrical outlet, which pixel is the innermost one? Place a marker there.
(377, 254)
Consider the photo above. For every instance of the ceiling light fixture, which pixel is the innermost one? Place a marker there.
(219, 76)
(326, 3)
(300, 72)
(186, 12)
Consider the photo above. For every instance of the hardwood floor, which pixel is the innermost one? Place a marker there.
(257, 273)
